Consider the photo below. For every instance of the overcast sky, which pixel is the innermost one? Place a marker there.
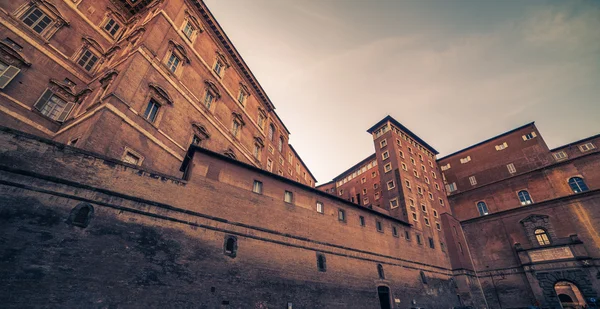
(453, 72)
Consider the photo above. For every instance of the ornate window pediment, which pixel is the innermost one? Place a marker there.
(538, 229)
(229, 152)
(213, 88)
(259, 141)
(42, 17)
(223, 58)
(158, 93)
(237, 116)
(176, 47)
(11, 56)
(200, 130)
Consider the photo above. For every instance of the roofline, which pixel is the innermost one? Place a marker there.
(576, 142)
(193, 148)
(305, 166)
(403, 128)
(280, 121)
(327, 183)
(354, 166)
(237, 58)
(487, 140)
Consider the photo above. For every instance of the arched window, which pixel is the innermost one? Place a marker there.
(230, 247)
(380, 271)
(280, 144)
(577, 184)
(542, 237)
(81, 215)
(321, 262)
(482, 207)
(524, 197)
(271, 132)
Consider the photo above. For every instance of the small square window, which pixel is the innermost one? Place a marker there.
(288, 197)
(363, 180)
(391, 185)
(375, 185)
(394, 203)
(430, 196)
(385, 155)
(112, 27)
(441, 202)
(383, 143)
(373, 174)
(413, 161)
(387, 168)
(257, 187)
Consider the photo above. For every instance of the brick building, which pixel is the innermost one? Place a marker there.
(143, 165)
(139, 81)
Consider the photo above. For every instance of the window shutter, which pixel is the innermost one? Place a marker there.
(8, 76)
(39, 105)
(65, 112)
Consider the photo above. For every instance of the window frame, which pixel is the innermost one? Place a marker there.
(257, 184)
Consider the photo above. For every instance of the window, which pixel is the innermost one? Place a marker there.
(394, 231)
(561, 155)
(256, 150)
(375, 185)
(421, 157)
(7, 73)
(414, 216)
(366, 201)
(391, 185)
(321, 262)
(189, 30)
(529, 136)
(280, 144)
(431, 244)
(271, 132)
(53, 107)
(416, 173)
(511, 168)
(465, 159)
(341, 215)
(451, 187)
(387, 168)
(407, 235)
(257, 187)
(443, 247)
(472, 180)
(151, 110)
(401, 154)
(419, 239)
(409, 149)
(320, 207)
(383, 143)
(501, 146)
(87, 60)
(423, 168)
(424, 208)
(380, 271)
(218, 67)
(288, 197)
(242, 96)
(394, 203)
(427, 221)
(209, 98)
(235, 127)
(269, 165)
(112, 27)
(385, 155)
(398, 142)
(435, 175)
(379, 226)
(437, 186)
(404, 167)
(577, 184)
(376, 196)
(407, 183)
(430, 196)
(586, 147)
(36, 19)
(438, 226)
(445, 167)
(524, 197)
(362, 220)
(430, 164)
(131, 158)
(413, 161)
(230, 246)
(441, 202)
(542, 237)
(419, 190)
(341, 191)
(81, 215)
(482, 208)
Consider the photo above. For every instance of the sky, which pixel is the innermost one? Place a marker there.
(453, 72)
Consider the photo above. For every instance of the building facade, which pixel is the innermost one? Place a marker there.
(139, 81)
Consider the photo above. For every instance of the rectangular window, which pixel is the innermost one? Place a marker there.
(431, 244)
(472, 180)
(218, 68)
(561, 155)
(131, 158)
(7, 73)
(407, 235)
(424, 208)
(394, 203)
(451, 187)
(419, 190)
(511, 168)
(401, 154)
(415, 217)
(394, 231)
(502, 146)
(529, 136)
(112, 27)
(404, 167)
(437, 186)
(465, 160)
(242, 97)
(373, 174)
(320, 207)
(376, 196)
(445, 167)
(441, 202)
(443, 247)
(407, 183)
(365, 201)
(438, 226)
(379, 226)
(362, 220)
(391, 185)
(413, 161)
(586, 147)
(419, 239)
(430, 196)
(188, 30)
(151, 110)
(208, 99)
(435, 213)
(387, 168)
(257, 187)
(288, 197)
(383, 143)
(87, 60)
(427, 221)
(363, 180)
(235, 128)
(36, 19)
(269, 165)
(341, 215)
(53, 107)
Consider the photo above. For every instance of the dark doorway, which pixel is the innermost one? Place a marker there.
(384, 297)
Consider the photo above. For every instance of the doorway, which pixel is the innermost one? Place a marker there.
(384, 297)
(569, 295)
